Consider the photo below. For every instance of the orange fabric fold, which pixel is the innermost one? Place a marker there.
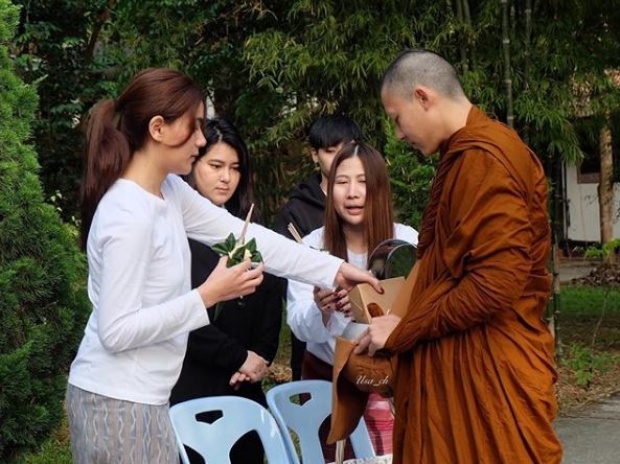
(476, 370)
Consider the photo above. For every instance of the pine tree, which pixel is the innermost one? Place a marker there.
(43, 305)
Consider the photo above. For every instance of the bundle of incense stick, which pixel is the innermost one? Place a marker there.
(296, 235)
(241, 239)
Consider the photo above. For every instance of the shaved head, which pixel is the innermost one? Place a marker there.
(421, 67)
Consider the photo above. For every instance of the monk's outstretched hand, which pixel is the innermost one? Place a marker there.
(376, 335)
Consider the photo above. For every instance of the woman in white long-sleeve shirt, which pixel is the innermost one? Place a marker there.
(136, 218)
(358, 217)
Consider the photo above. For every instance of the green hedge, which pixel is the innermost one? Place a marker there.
(43, 305)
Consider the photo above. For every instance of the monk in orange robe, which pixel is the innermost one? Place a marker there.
(475, 377)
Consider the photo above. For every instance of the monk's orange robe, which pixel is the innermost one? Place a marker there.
(475, 382)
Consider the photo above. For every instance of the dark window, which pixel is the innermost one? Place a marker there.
(588, 130)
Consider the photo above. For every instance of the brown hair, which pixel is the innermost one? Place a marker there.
(117, 128)
(378, 211)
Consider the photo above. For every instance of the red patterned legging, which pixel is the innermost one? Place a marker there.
(378, 415)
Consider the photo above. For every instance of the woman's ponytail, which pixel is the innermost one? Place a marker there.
(117, 128)
(107, 156)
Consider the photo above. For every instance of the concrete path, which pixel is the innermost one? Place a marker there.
(568, 270)
(592, 434)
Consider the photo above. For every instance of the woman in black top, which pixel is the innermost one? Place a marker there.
(231, 355)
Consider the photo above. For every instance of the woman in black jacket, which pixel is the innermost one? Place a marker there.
(231, 355)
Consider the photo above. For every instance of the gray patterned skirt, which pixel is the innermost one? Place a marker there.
(108, 431)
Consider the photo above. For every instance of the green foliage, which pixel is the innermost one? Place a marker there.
(594, 252)
(410, 177)
(55, 50)
(55, 450)
(42, 304)
(328, 56)
(598, 252)
(586, 363)
(273, 67)
(584, 301)
(611, 247)
(588, 354)
(237, 251)
(590, 315)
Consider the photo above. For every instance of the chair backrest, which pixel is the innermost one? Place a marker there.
(305, 419)
(213, 441)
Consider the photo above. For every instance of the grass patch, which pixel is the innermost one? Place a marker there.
(55, 450)
(590, 316)
(579, 301)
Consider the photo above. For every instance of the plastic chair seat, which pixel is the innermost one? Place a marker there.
(306, 419)
(213, 441)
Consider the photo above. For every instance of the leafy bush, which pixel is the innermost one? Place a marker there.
(597, 252)
(58, 47)
(586, 363)
(613, 246)
(594, 252)
(55, 450)
(42, 302)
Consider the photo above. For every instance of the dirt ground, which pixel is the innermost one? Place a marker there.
(571, 396)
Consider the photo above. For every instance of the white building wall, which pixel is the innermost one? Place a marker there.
(583, 218)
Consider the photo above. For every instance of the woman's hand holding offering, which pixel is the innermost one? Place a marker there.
(226, 283)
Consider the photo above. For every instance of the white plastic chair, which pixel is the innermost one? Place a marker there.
(305, 419)
(214, 441)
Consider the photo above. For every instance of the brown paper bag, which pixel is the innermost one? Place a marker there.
(357, 375)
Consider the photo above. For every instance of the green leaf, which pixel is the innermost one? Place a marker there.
(230, 242)
(220, 249)
(251, 246)
(237, 256)
(218, 309)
